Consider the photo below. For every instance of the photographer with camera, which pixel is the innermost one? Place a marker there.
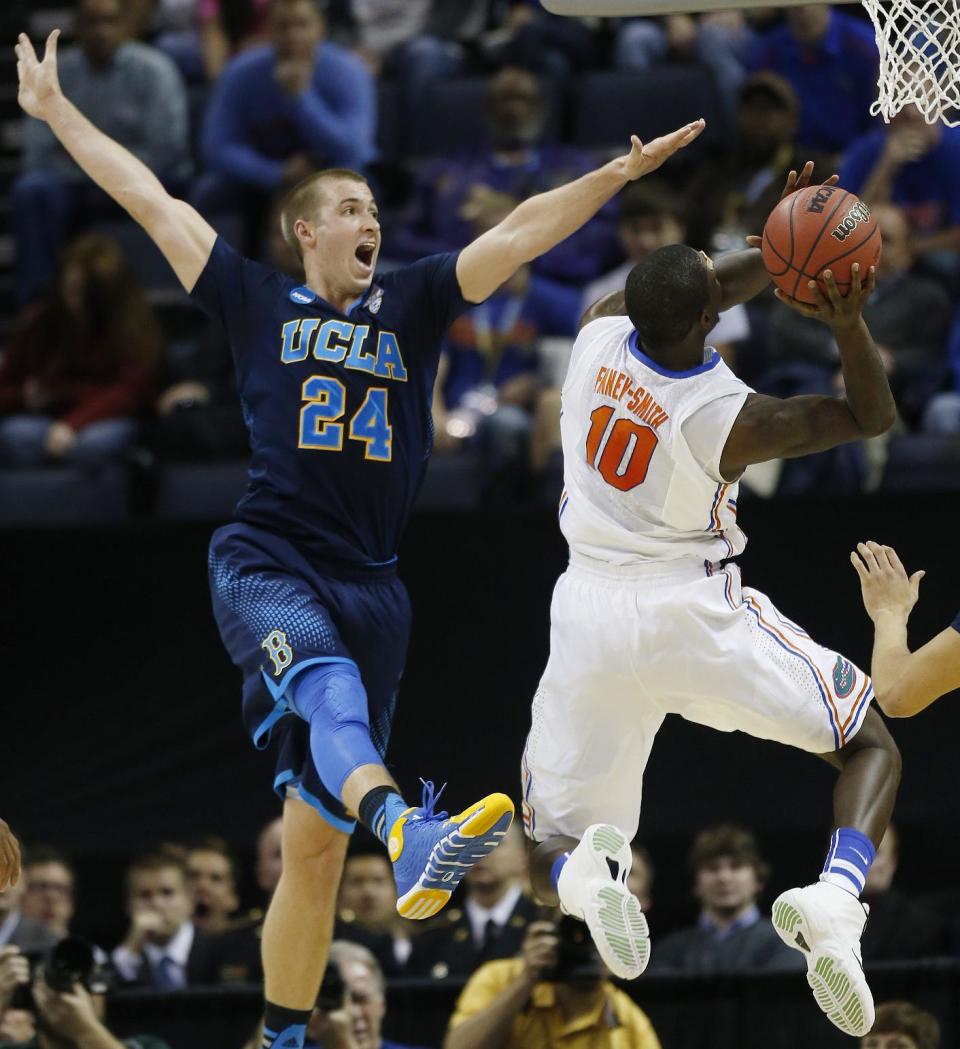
(65, 1005)
(555, 993)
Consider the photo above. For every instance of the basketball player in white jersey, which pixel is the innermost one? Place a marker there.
(650, 617)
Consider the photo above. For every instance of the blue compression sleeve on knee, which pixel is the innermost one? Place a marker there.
(331, 698)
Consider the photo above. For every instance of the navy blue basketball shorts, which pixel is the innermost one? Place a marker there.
(277, 616)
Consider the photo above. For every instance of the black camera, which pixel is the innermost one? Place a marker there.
(577, 957)
(332, 989)
(69, 963)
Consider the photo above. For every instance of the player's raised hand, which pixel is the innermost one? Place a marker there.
(39, 83)
(9, 857)
(884, 581)
(796, 180)
(841, 312)
(642, 159)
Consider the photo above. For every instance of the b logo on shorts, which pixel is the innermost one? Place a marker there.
(280, 653)
(844, 677)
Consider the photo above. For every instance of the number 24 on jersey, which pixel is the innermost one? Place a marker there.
(322, 430)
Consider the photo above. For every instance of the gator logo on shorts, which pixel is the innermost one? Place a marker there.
(844, 677)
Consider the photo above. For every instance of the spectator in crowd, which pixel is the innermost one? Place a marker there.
(70, 1020)
(269, 857)
(212, 877)
(899, 928)
(640, 878)
(731, 934)
(48, 894)
(908, 315)
(831, 60)
(135, 94)
(719, 41)
(527, 36)
(79, 365)
(357, 1022)
(519, 161)
(281, 111)
(734, 195)
(492, 921)
(19, 931)
(381, 29)
(9, 856)
(900, 1025)
(162, 946)
(915, 165)
(555, 994)
(367, 906)
(652, 217)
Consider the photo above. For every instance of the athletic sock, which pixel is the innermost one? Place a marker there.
(848, 860)
(284, 1028)
(558, 865)
(379, 810)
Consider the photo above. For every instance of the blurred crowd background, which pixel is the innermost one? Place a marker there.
(118, 404)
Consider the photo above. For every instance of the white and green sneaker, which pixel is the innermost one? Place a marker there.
(826, 922)
(593, 887)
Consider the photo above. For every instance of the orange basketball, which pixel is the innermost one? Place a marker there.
(818, 228)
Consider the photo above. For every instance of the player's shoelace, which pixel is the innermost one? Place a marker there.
(428, 800)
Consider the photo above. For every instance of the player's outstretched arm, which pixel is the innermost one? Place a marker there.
(542, 221)
(905, 682)
(178, 231)
(774, 428)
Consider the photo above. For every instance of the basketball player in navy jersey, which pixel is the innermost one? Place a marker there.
(336, 377)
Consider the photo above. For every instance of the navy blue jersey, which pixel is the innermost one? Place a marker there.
(337, 404)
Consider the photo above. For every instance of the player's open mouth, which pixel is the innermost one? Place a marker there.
(365, 253)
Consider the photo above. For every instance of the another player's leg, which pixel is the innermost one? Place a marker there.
(588, 878)
(825, 920)
(430, 850)
(299, 923)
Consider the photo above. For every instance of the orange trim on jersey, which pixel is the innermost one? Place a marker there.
(790, 645)
(856, 702)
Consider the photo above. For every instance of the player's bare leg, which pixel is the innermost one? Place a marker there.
(588, 878)
(825, 920)
(299, 923)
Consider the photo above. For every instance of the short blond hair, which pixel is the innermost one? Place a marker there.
(306, 198)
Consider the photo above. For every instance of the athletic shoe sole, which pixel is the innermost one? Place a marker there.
(833, 972)
(612, 913)
(479, 830)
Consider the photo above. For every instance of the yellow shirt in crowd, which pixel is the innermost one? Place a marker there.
(614, 1022)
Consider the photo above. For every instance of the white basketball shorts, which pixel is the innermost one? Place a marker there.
(629, 645)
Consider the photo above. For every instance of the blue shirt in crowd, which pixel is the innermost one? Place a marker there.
(835, 79)
(252, 125)
(928, 189)
(498, 340)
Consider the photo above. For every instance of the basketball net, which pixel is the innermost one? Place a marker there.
(919, 45)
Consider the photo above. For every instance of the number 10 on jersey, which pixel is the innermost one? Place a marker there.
(626, 456)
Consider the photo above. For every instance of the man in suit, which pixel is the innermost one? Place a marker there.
(162, 948)
(491, 923)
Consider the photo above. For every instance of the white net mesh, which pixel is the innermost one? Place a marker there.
(919, 44)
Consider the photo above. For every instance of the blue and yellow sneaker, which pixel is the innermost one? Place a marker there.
(432, 851)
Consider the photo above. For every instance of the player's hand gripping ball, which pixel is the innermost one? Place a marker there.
(818, 228)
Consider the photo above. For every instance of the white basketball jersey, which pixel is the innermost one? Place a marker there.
(641, 450)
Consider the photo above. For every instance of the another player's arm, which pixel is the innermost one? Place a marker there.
(905, 682)
(542, 221)
(185, 239)
(773, 428)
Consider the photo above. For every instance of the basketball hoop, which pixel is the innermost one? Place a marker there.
(919, 45)
(918, 41)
